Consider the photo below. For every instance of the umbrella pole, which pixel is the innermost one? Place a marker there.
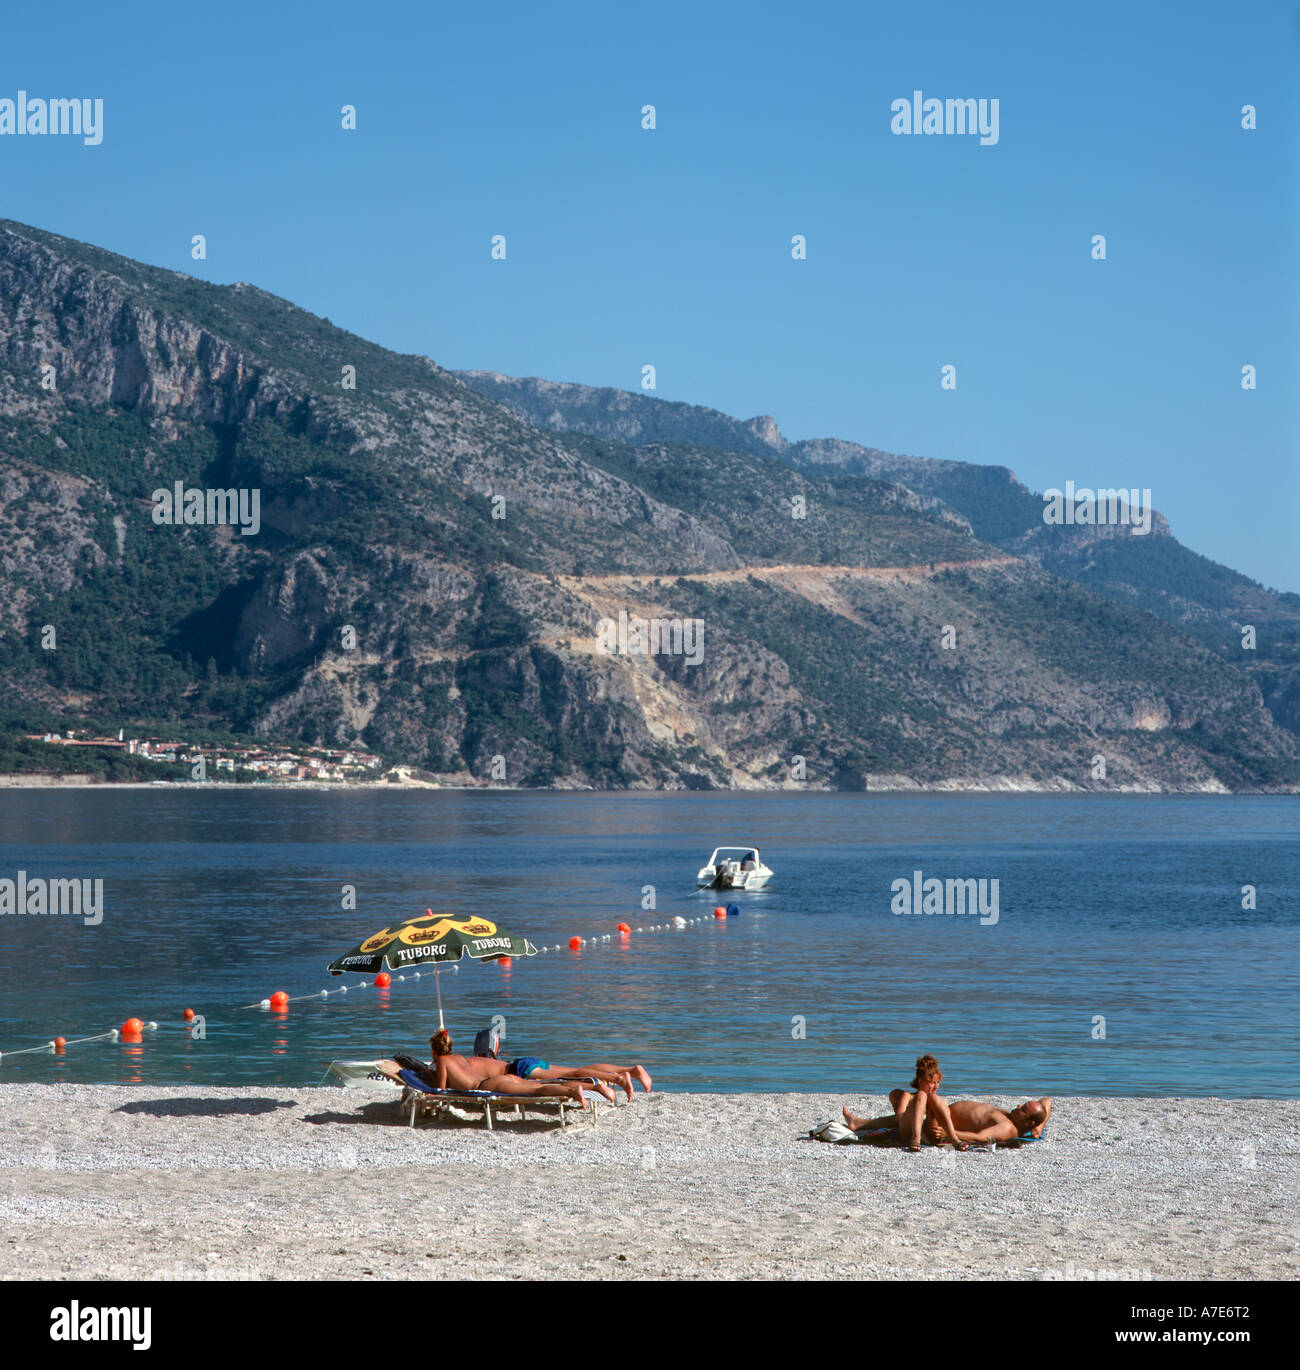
(437, 984)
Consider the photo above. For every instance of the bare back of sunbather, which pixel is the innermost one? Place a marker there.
(601, 1073)
(464, 1072)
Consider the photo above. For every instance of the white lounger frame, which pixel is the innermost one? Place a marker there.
(414, 1102)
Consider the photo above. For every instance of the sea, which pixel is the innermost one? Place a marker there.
(1131, 946)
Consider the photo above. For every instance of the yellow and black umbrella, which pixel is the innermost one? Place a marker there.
(432, 941)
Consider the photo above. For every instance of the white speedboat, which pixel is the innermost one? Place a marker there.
(734, 868)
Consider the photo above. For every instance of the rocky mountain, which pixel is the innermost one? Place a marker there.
(1155, 572)
(435, 578)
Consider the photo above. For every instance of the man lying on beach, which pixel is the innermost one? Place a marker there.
(452, 1071)
(534, 1068)
(974, 1122)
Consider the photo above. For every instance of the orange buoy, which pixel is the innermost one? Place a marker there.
(279, 999)
(383, 979)
(503, 960)
(133, 1027)
(60, 1043)
(719, 912)
(188, 1015)
(623, 928)
(575, 943)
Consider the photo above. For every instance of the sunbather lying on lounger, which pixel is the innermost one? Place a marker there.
(975, 1122)
(534, 1068)
(500, 1077)
(452, 1071)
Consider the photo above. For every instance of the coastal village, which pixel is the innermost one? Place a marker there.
(265, 764)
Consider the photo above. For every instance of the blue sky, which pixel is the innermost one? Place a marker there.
(672, 247)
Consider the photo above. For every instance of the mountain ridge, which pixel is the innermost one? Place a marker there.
(470, 558)
(1153, 571)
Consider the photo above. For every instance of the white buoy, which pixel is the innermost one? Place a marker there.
(266, 1003)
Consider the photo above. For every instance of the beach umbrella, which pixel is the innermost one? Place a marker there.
(432, 941)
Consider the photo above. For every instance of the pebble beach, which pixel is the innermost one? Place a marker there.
(140, 1182)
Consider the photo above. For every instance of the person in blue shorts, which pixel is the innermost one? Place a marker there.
(536, 1070)
(450, 1070)
(524, 1066)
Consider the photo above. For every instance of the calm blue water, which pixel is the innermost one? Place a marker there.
(1127, 907)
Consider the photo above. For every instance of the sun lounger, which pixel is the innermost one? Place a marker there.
(419, 1099)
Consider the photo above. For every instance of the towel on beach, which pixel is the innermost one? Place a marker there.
(842, 1135)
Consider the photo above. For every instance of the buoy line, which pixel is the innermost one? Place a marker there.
(133, 1029)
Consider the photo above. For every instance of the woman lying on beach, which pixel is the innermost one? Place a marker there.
(452, 1071)
(917, 1108)
(521, 1076)
(528, 1074)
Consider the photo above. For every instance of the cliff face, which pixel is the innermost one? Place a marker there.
(109, 349)
(439, 580)
(1154, 572)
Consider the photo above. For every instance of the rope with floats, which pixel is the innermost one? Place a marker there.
(132, 1030)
